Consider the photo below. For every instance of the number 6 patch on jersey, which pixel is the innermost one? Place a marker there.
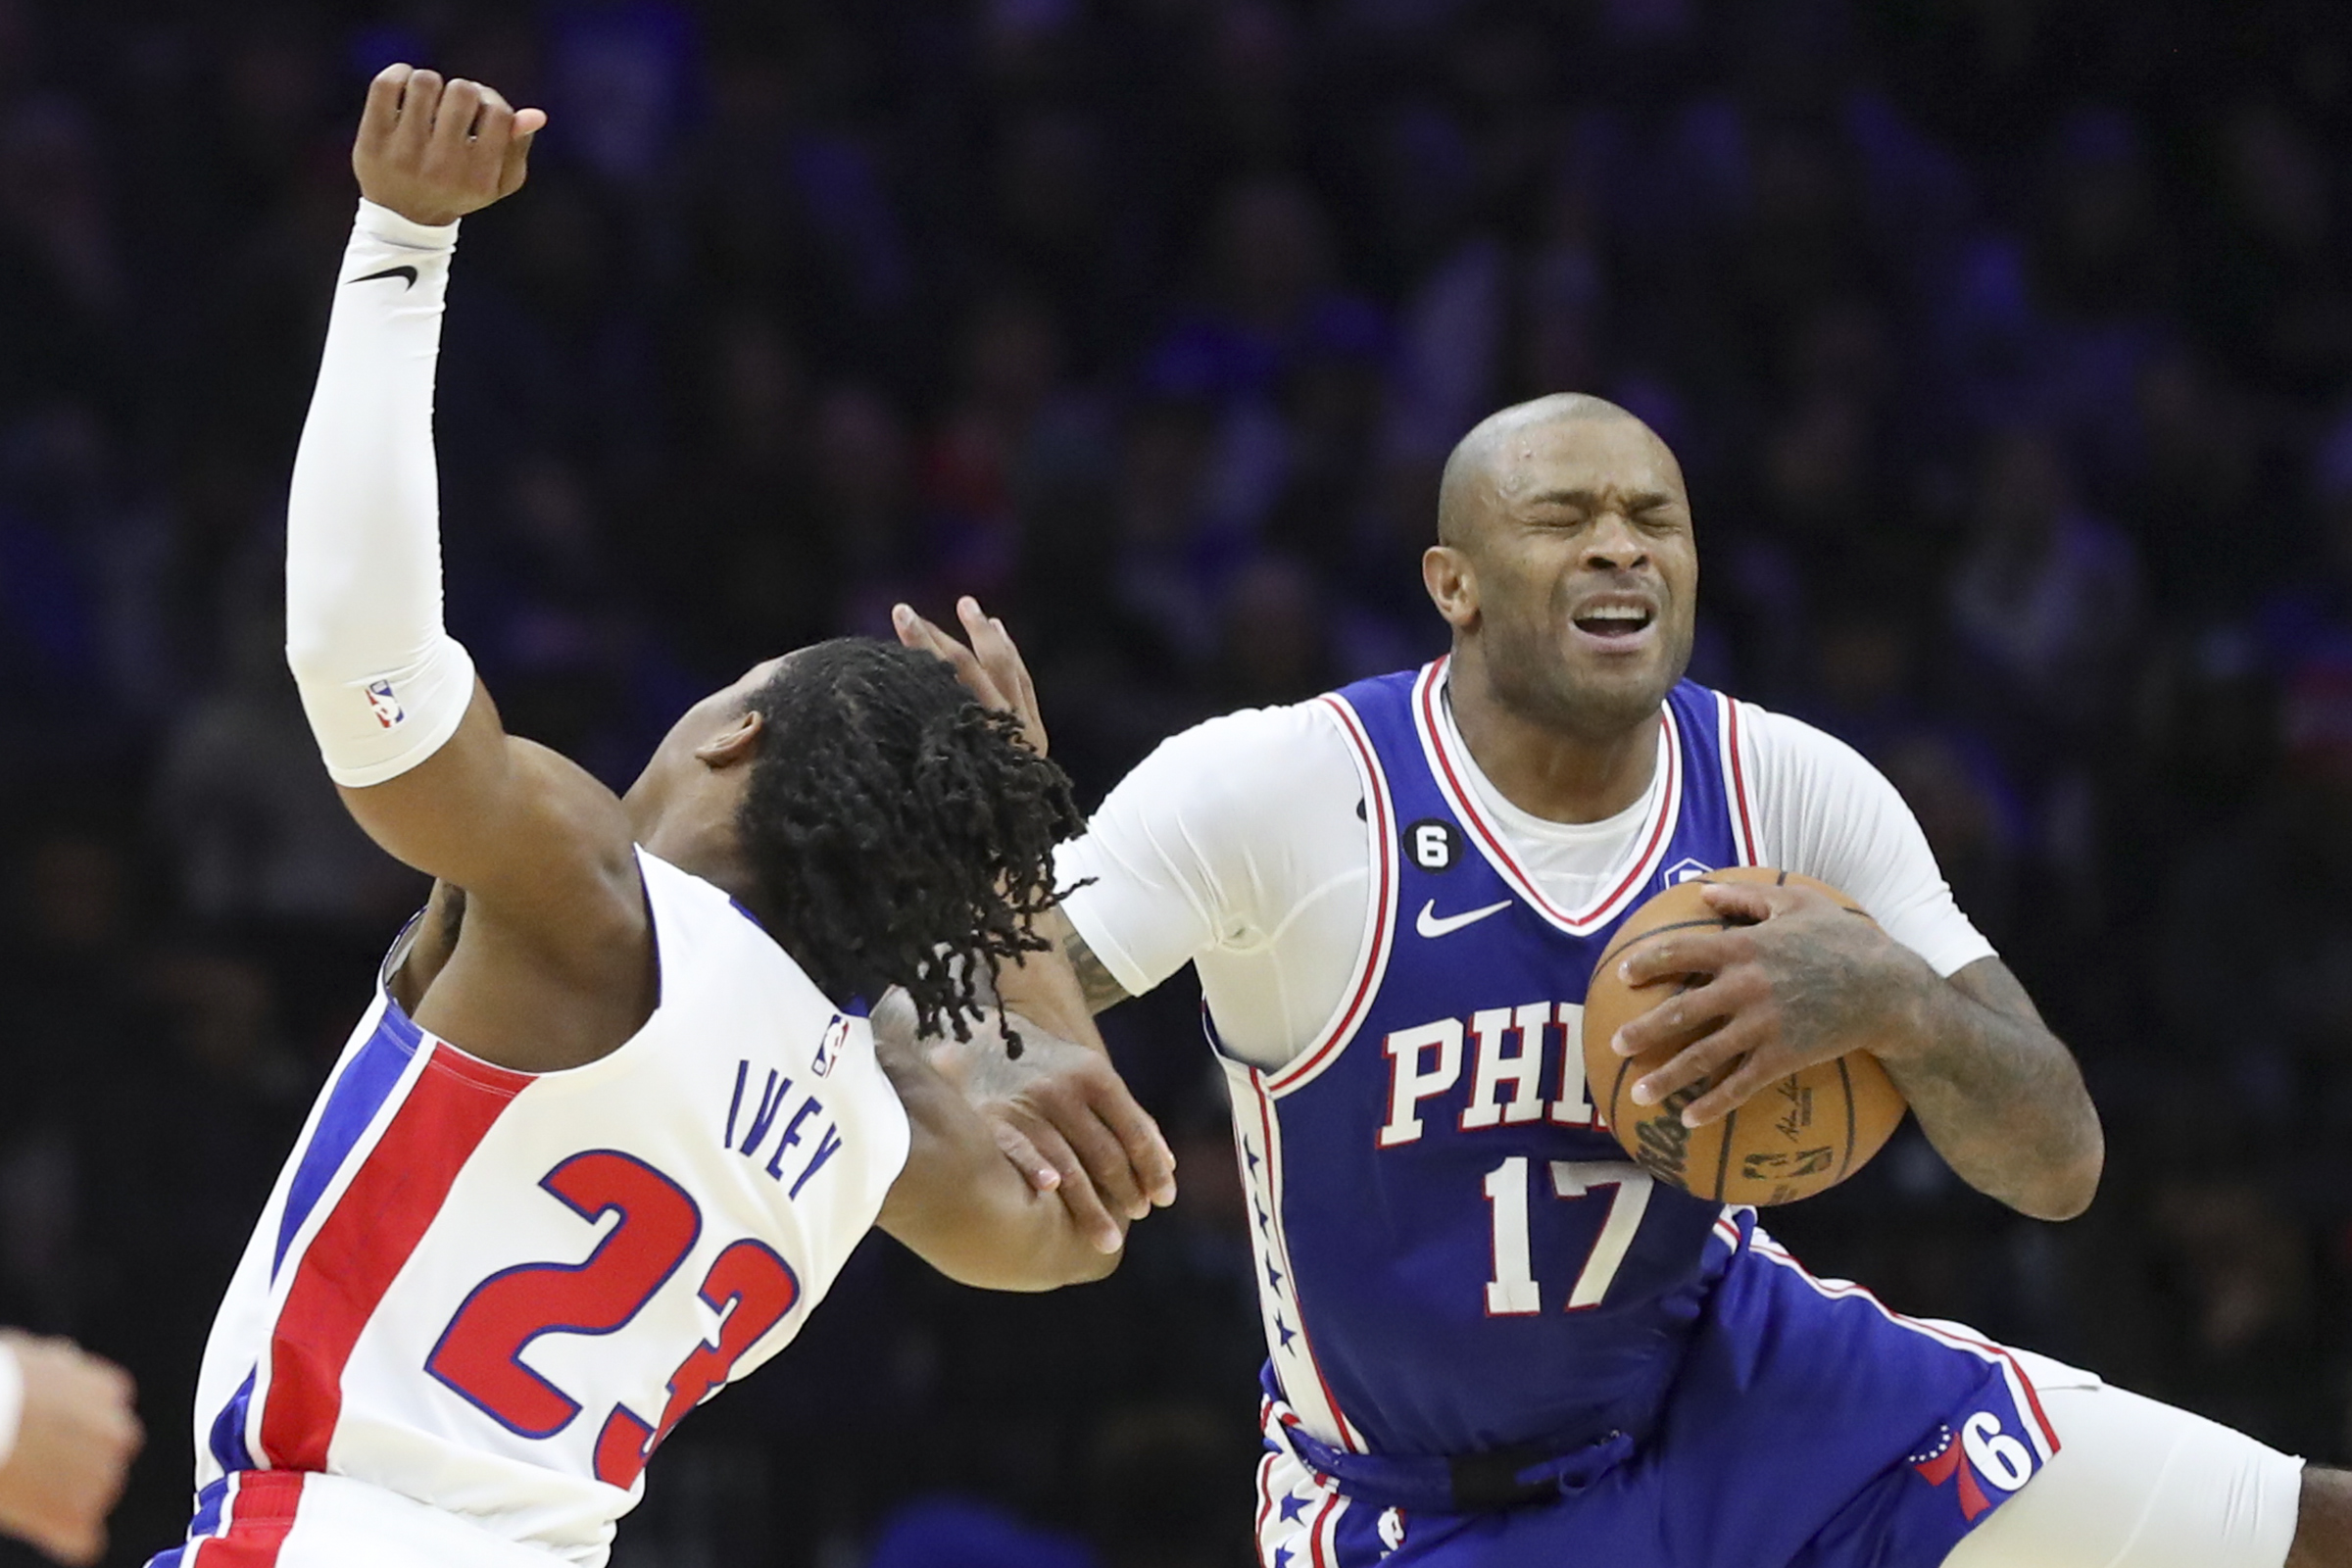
(1979, 1456)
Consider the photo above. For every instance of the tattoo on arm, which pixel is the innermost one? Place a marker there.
(2003, 1100)
(1094, 980)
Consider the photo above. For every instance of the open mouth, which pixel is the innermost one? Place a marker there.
(1615, 622)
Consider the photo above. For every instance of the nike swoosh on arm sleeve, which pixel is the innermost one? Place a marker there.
(1827, 812)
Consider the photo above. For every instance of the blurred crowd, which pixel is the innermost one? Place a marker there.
(2007, 345)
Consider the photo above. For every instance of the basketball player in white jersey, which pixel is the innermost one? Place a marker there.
(616, 1117)
(1552, 753)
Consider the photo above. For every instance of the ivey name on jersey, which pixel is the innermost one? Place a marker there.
(497, 1292)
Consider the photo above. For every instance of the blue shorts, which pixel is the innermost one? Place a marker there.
(1809, 1428)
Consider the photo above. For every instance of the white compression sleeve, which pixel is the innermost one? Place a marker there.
(382, 681)
(12, 1400)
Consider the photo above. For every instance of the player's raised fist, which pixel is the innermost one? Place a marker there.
(75, 1442)
(433, 151)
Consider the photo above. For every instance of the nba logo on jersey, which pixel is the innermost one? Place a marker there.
(388, 711)
(837, 1033)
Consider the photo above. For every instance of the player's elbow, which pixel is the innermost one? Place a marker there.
(1080, 1267)
(2066, 1189)
(1048, 1268)
(1085, 1264)
(1063, 1255)
(1000, 1235)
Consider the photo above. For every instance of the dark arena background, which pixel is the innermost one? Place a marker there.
(2007, 344)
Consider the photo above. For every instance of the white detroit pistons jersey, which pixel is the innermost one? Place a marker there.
(494, 1293)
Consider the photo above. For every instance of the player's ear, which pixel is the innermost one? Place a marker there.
(1452, 585)
(738, 741)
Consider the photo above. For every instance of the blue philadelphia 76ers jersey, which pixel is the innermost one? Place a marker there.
(1453, 1253)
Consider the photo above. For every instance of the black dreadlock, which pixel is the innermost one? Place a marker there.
(903, 835)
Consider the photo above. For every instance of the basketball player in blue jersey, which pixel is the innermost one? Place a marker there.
(1493, 1341)
(615, 1117)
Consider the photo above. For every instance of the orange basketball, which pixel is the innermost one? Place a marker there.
(1800, 1135)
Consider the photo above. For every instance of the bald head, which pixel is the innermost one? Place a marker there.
(1483, 465)
(1566, 564)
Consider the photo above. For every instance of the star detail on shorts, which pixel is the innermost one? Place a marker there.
(1263, 1220)
(1283, 1556)
(1294, 1507)
(1273, 1277)
(1284, 1331)
(1250, 1155)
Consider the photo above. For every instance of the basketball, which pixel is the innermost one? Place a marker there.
(1800, 1135)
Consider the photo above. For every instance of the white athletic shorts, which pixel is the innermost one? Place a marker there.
(295, 1520)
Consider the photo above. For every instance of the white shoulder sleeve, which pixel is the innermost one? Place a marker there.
(1824, 810)
(383, 683)
(1216, 842)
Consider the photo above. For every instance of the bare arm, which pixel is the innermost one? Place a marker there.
(1997, 1092)
(959, 1205)
(1060, 1111)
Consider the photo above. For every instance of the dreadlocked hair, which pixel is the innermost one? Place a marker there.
(901, 834)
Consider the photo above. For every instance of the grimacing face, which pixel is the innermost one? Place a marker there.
(1583, 571)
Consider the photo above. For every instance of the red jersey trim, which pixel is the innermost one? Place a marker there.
(1734, 780)
(1450, 773)
(364, 1244)
(261, 1515)
(1372, 962)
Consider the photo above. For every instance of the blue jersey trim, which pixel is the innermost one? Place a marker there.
(228, 1445)
(351, 1107)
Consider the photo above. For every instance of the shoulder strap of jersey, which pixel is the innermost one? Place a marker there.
(1715, 730)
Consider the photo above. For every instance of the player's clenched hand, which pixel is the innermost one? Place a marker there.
(991, 668)
(433, 152)
(75, 1443)
(1804, 981)
(1061, 1114)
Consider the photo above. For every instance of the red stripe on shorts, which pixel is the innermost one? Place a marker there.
(364, 1244)
(259, 1517)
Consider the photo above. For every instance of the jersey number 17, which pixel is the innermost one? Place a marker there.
(1513, 1291)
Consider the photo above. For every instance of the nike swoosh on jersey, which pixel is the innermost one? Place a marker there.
(1430, 923)
(406, 274)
